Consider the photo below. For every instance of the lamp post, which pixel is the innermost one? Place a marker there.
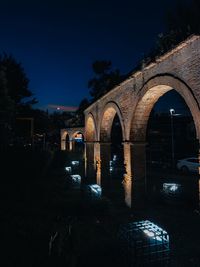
(172, 112)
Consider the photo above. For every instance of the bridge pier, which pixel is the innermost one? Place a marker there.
(89, 161)
(135, 173)
(70, 145)
(138, 151)
(127, 181)
(63, 144)
(105, 153)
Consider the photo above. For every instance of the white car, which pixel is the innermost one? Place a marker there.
(188, 165)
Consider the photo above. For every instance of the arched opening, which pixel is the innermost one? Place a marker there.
(89, 155)
(108, 116)
(112, 154)
(150, 94)
(90, 129)
(64, 140)
(170, 135)
(78, 142)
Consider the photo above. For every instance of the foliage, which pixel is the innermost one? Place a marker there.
(181, 22)
(13, 82)
(105, 79)
(13, 90)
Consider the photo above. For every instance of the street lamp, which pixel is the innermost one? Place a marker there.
(172, 112)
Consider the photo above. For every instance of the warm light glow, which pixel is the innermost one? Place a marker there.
(90, 129)
(143, 110)
(127, 181)
(106, 124)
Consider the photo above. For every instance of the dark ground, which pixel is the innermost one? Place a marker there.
(39, 204)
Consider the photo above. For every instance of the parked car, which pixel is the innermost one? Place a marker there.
(190, 164)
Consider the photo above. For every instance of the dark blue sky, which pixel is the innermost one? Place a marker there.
(57, 41)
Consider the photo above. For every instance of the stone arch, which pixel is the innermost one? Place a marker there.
(64, 134)
(106, 121)
(77, 132)
(90, 129)
(149, 94)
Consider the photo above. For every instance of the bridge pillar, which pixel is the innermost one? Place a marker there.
(70, 144)
(199, 178)
(97, 153)
(105, 152)
(135, 173)
(139, 160)
(97, 162)
(63, 144)
(127, 181)
(89, 161)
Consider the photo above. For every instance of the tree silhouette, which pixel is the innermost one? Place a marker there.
(13, 90)
(105, 79)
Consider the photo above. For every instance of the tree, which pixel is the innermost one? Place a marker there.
(181, 22)
(80, 112)
(13, 90)
(15, 81)
(105, 79)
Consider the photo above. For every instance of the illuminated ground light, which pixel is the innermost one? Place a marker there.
(75, 162)
(95, 190)
(111, 165)
(114, 157)
(68, 169)
(76, 178)
(144, 242)
(171, 188)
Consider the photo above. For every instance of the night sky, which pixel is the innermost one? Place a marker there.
(57, 41)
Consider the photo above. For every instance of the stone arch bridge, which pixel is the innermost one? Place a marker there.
(132, 101)
(71, 133)
(134, 98)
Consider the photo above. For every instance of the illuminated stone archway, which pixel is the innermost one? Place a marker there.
(63, 136)
(133, 99)
(150, 94)
(90, 129)
(74, 135)
(71, 132)
(108, 114)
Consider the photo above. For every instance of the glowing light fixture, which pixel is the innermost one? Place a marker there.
(143, 242)
(95, 190)
(75, 162)
(171, 187)
(68, 169)
(76, 178)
